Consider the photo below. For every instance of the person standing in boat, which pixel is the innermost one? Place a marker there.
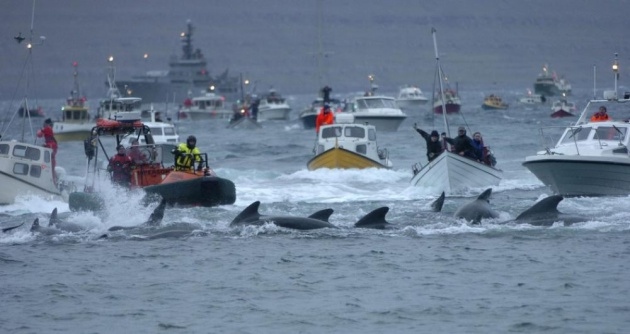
(186, 154)
(324, 117)
(49, 141)
(601, 115)
(120, 167)
(434, 146)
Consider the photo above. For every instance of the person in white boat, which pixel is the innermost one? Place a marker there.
(49, 141)
(324, 117)
(601, 115)
(120, 167)
(434, 146)
(186, 154)
(462, 144)
(483, 152)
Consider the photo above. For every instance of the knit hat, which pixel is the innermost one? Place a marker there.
(434, 134)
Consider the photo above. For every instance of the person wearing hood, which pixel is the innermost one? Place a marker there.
(462, 144)
(434, 146)
(120, 167)
(186, 154)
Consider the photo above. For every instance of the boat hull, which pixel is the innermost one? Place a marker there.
(14, 187)
(451, 108)
(411, 105)
(244, 123)
(337, 157)
(581, 175)
(200, 191)
(308, 120)
(273, 114)
(206, 115)
(452, 173)
(72, 132)
(486, 106)
(382, 123)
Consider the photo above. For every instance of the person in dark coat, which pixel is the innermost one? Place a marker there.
(434, 146)
(462, 144)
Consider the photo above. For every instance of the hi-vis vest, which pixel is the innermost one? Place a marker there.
(185, 159)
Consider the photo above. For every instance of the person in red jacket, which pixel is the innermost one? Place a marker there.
(120, 167)
(49, 141)
(324, 117)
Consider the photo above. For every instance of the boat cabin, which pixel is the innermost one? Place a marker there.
(367, 103)
(121, 109)
(28, 163)
(208, 101)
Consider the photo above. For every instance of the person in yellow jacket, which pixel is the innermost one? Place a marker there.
(186, 154)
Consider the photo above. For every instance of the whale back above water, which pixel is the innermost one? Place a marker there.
(251, 216)
(478, 209)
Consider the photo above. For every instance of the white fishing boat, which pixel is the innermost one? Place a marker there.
(204, 107)
(532, 101)
(548, 84)
(272, 106)
(114, 106)
(308, 115)
(379, 110)
(26, 168)
(76, 122)
(162, 131)
(591, 158)
(411, 98)
(348, 145)
(563, 108)
(450, 172)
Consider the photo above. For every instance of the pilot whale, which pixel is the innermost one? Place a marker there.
(475, 211)
(251, 216)
(545, 213)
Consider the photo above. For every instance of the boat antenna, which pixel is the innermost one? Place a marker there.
(439, 71)
(615, 68)
(594, 81)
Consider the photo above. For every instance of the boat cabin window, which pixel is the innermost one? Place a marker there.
(46, 156)
(354, 132)
(331, 132)
(610, 133)
(20, 169)
(576, 134)
(26, 152)
(362, 149)
(169, 131)
(4, 149)
(156, 131)
(36, 170)
(372, 134)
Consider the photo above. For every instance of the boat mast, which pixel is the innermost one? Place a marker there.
(439, 70)
(615, 68)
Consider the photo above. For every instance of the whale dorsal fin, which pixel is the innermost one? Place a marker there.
(53, 218)
(436, 206)
(249, 214)
(374, 219)
(35, 224)
(485, 195)
(322, 215)
(546, 205)
(157, 215)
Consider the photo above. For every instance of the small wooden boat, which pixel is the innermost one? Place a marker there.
(493, 102)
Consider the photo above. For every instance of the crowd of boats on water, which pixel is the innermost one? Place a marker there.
(586, 148)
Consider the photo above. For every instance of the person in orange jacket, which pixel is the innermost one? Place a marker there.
(601, 115)
(324, 117)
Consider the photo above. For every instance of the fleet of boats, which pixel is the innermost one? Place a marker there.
(346, 145)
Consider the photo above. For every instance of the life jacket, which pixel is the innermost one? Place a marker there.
(324, 118)
(120, 165)
(185, 157)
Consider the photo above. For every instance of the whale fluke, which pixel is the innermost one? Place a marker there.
(7, 229)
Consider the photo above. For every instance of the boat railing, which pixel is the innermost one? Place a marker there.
(550, 136)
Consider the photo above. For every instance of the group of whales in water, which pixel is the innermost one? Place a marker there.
(543, 213)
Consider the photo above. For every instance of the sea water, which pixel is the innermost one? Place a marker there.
(433, 273)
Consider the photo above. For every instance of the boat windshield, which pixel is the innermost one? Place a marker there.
(576, 134)
(354, 132)
(610, 133)
(331, 132)
(375, 103)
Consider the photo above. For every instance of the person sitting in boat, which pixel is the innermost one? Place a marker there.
(136, 155)
(186, 154)
(482, 152)
(462, 144)
(601, 115)
(120, 167)
(434, 147)
(324, 117)
(49, 141)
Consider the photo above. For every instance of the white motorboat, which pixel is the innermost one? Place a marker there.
(378, 110)
(348, 145)
(76, 122)
(116, 107)
(450, 172)
(411, 98)
(272, 106)
(26, 168)
(162, 132)
(532, 101)
(206, 106)
(591, 158)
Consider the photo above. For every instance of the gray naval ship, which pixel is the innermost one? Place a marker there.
(187, 75)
